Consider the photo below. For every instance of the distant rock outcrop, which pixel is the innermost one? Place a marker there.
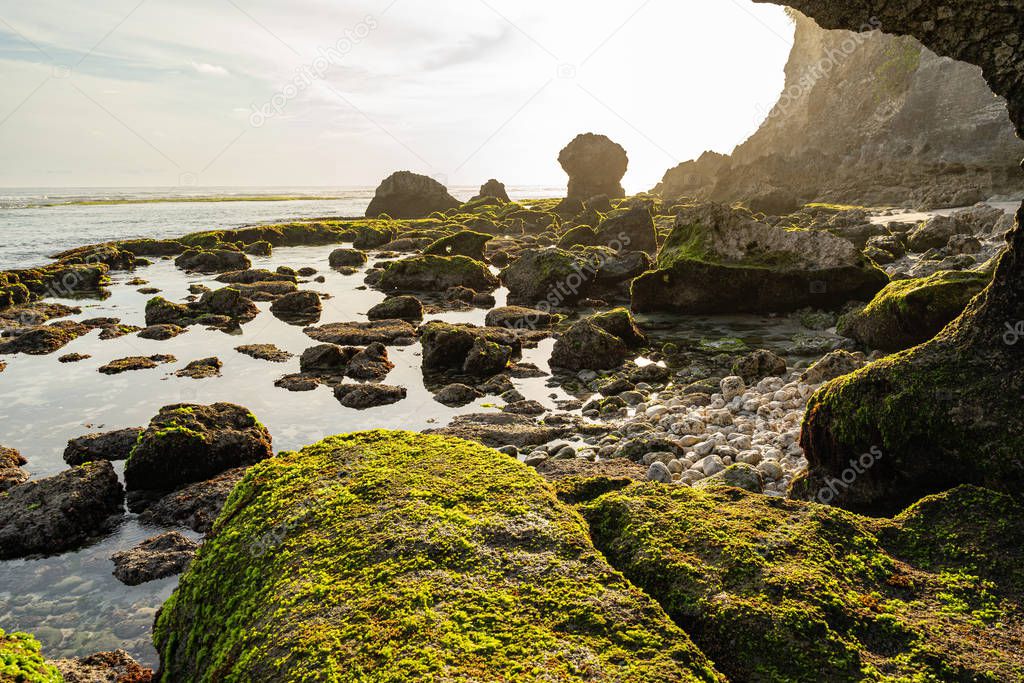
(595, 166)
(410, 195)
(867, 119)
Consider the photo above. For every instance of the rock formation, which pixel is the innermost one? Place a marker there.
(948, 411)
(410, 195)
(595, 166)
(866, 118)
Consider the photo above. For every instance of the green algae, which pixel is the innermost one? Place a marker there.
(776, 590)
(392, 556)
(21, 660)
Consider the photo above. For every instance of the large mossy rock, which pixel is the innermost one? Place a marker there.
(909, 312)
(463, 243)
(720, 260)
(784, 591)
(410, 195)
(437, 274)
(393, 556)
(186, 443)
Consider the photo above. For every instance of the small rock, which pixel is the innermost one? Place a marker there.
(155, 558)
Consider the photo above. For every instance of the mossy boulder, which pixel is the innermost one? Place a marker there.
(545, 277)
(212, 260)
(402, 307)
(437, 274)
(776, 590)
(463, 243)
(620, 323)
(720, 260)
(477, 351)
(586, 346)
(186, 443)
(21, 660)
(628, 230)
(394, 556)
(909, 312)
(222, 307)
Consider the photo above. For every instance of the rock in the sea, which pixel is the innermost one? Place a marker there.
(468, 555)
(160, 332)
(759, 364)
(194, 506)
(909, 312)
(116, 445)
(11, 473)
(410, 195)
(212, 260)
(186, 443)
(518, 318)
(155, 558)
(595, 166)
(119, 365)
(364, 396)
(267, 352)
(218, 308)
(586, 345)
(61, 512)
(352, 258)
(201, 369)
(478, 351)
(103, 667)
(493, 189)
(437, 274)
(403, 307)
(387, 332)
(463, 243)
(298, 308)
(42, 340)
(457, 395)
(809, 592)
(720, 260)
(370, 363)
(546, 278)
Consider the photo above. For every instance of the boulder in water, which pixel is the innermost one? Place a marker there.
(407, 195)
(595, 166)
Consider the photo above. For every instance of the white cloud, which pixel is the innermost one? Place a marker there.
(210, 69)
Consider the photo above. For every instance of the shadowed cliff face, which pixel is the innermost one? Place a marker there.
(947, 411)
(866, 118)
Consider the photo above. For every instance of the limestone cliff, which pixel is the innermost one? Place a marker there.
(867, 118)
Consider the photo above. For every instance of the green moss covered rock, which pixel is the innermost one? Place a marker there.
(463, 243)
(776, 590)
(392, 556)
(721, 260)
(909, 312)
(437, 274)
(21, 660)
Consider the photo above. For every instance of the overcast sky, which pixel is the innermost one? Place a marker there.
(330, 93)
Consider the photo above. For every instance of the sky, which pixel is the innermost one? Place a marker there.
(134, 93)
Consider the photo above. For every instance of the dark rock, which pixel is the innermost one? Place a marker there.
(212, 261)
(364, 396)
(524, 407)
(326, 359)
(388, 332)
(518, 318)
(463, 243)
(619, 322)
(909, 312)
(219, 308)
(186, 443)
(457, 395)
(719, 260)
(254, 276)
(116, 367)
(492, 188)
(370, 363)
(42, 340)
(201, 369)
(155, 558)
(486, 358)
(466, 348)
(116, 445)
(267, 352)
(298, 308)
(194, 506)
(595, 166)
(347, 257)
(587, 346)
(631, 230)
(836, 364)
(161, 332)
(103, 667)
(402, 307)
(72, 358)
(298, 382)
(409, 195)
(61, 512)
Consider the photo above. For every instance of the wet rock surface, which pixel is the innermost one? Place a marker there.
(115, 445)
(59, 513)
(155, 558)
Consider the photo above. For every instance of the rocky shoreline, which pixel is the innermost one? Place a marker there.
(458, 525)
